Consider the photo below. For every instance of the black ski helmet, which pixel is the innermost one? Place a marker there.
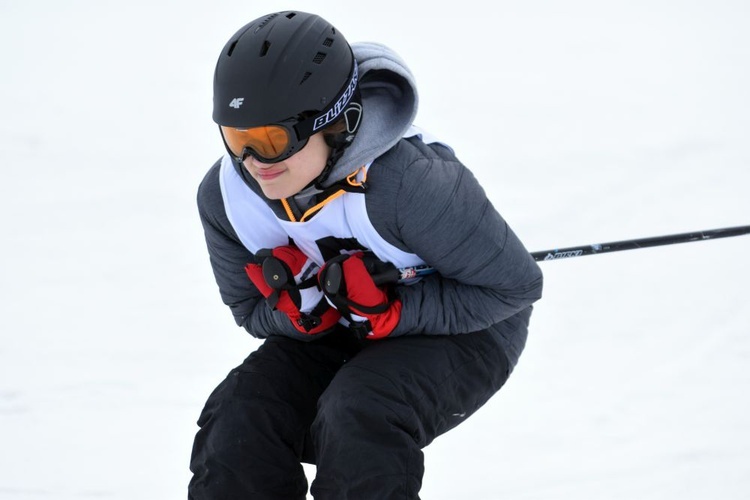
(288, 67)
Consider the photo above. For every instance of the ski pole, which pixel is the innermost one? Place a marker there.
(401, 274)
(653, 241)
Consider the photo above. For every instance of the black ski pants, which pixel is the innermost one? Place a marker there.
(360, 411)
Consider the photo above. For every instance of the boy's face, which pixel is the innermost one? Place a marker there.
(288, 177)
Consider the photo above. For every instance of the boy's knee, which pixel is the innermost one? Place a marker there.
(362, 404)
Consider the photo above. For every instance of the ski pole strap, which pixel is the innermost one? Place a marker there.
(333, 283)
(280, 277)
(313, 319)
(335, 289)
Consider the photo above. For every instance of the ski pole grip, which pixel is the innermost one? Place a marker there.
(276, 273)
(332, 278)
(387, 277)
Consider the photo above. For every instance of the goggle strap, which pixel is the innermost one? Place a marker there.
(337, 108)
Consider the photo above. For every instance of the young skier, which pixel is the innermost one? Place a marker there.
(327, 187)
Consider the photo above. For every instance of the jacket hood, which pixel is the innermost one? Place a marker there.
(389, 103)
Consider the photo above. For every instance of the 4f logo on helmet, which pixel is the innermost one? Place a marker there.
(236, 102)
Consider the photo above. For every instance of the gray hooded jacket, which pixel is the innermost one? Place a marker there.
(420, 199)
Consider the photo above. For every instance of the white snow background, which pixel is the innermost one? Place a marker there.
(586, 121)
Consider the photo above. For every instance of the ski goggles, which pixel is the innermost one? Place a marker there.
(278, 141)
(267, 144)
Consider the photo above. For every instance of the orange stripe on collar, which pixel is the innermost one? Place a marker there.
(288, 210)
(351, 180)
(316, 208)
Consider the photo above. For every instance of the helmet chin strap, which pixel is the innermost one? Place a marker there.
(332, 159)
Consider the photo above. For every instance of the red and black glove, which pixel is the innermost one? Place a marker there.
(287, 279)
(348, 284)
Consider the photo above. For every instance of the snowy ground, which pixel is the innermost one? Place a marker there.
(587, 122)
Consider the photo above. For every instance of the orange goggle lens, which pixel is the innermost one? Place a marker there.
(268, 141)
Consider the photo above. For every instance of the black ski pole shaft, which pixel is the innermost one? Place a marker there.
(403, 274)
(654, 241)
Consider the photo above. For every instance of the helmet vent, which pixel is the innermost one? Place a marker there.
(264, 48)
(327, 42)
(265, 22)
(319, 57)
(305, 77)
